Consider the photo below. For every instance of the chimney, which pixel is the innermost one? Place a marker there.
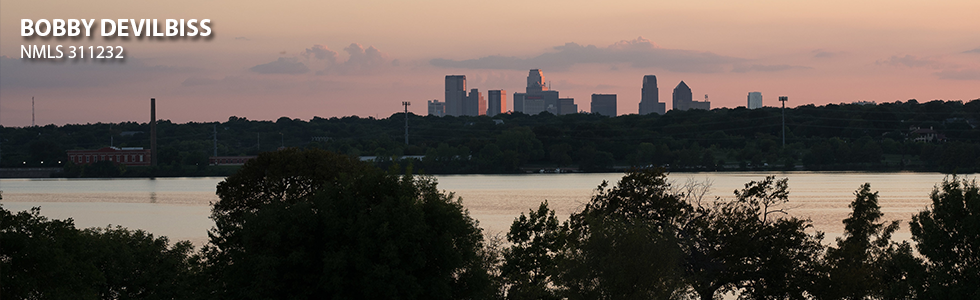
(153, 131)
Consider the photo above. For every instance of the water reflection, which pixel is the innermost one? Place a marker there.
(179, 207)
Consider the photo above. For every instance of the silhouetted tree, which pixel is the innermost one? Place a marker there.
(51, 259)
(948, 236)
(301, 224)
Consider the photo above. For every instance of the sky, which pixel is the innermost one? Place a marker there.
(301, 59)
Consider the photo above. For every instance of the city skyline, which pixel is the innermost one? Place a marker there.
(307, 58)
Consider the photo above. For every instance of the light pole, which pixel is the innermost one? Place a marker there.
(783, 99)
(406, 104)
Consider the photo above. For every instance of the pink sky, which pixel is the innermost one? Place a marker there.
(302, 59)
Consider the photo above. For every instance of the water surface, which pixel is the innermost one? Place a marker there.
(179, 207)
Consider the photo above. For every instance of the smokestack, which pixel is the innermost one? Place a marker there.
(153, 131)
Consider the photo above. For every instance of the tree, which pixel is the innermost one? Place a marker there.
(51, 259)
(865, 263)
(948, 236)
(623, 245)
(736, 245)
(530, 265)
(301, 224)
(643, 239)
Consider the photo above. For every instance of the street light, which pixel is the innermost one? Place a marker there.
(783, 99)
(406, 104)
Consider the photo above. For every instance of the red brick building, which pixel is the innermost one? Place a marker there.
(131, 156)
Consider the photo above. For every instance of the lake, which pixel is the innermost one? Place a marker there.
(179, 207)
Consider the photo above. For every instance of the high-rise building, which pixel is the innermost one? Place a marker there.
(537, 97)
(437, 108)
(650, 97)
(754, 100)
(496, 102)
(474, 104)
(518, 101)
(567, 106)
(683, 99)
(533, 103)
(455, 94)
(604, 104)
(535, 81)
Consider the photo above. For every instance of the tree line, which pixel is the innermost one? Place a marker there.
(315, 224)
(830, 137)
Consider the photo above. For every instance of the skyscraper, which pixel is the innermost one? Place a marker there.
(604, 104)
(683, 99)
(496, 102)
(754, 100)
(455, 94)
(537, 97)
(535, 81)
(650, 97)
(474, 104)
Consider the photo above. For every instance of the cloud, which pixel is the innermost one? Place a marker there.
(25, 73)
(364, 59)
(284, 65)
(360, 61)
(962, 74)
(825, 54)
(198, 81)
(638, 53)
(322, 53)
(908, 61)
(242, 38)
(977, 50)
(740, 68)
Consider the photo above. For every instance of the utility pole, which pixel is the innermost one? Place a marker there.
(32, 111)
(258, 142)
(406, 104)
(215, 129)
(783, 99)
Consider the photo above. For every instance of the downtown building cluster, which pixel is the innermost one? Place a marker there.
(539, 97)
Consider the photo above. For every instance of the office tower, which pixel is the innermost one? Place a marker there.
(534, 103)
(437, 108)
(650, 97)
(519, 102)
(567, 106)
(683, 100)
(682, 97)
(474, 104)
(604, 104)
(537, 97)
(535, 81)
(455, 94)
(496, 102)
(755, 100)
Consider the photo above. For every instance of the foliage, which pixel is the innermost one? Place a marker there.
(300, 224)
(50, 259)
(830, 137)
(530, 265)
(865, 263)
(948, 236)
(642, 239)
(736, 245)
